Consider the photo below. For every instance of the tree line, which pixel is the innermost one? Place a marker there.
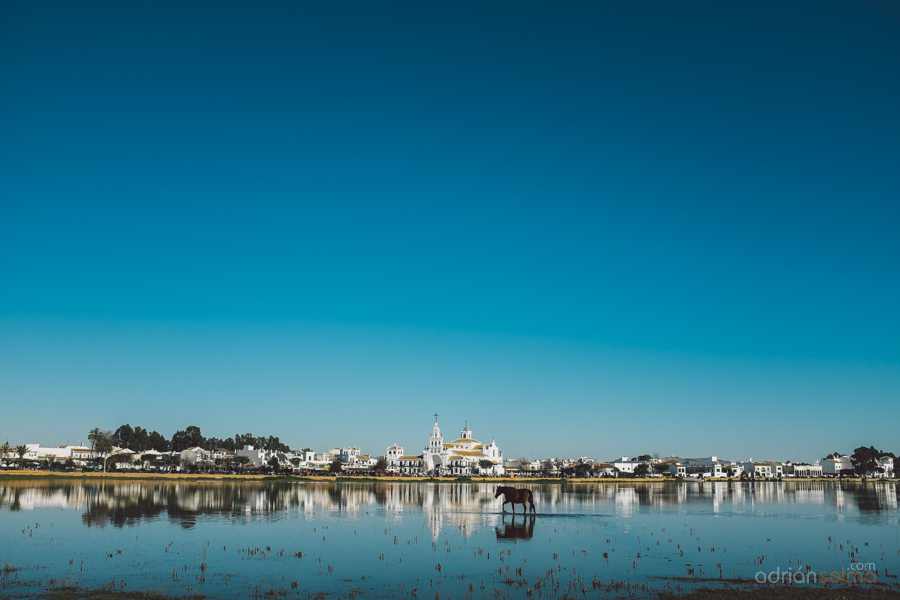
(140, 440)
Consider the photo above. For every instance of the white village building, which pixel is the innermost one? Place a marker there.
(792, 469)
(837, 465)
(258, 457)
(459, 457)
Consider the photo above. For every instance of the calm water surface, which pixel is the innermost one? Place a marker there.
(374, 540)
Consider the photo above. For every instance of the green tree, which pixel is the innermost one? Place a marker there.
(643, 457)
(864, 459)
(124, 437)
(187, 464)
(661, 468)
(136, 438)
(189, 438)
(215, 443)
(381, 464)
(141, 440)
(21, 451)
(103, 445)
(273, 462)
(6, 454)
(336, 466)
(171, 460)
(242, 461)
(485, 464)
(583, 470)
(118, 459)
(642, 470)
(157, 441)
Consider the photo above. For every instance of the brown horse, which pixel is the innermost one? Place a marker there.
(515, 496)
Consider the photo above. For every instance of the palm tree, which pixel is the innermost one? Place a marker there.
(93, 436)
(242, 461)
(22, 451)
(5, 452)
(103, 444)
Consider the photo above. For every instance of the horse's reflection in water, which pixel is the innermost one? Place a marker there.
(516, 529)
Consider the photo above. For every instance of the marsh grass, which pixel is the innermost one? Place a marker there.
(785, 592)
(77, 593)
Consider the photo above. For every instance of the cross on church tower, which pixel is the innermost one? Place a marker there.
(435, 418)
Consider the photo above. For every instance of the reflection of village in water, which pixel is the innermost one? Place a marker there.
(463, 506)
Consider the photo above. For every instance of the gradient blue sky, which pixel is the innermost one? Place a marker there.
(588, 228)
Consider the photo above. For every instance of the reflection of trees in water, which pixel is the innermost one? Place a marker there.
(119, 513)
(336, 495)
(874, 497)
(15, 501)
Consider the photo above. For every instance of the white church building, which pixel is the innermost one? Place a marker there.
(459, 457)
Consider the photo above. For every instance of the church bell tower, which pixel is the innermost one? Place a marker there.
(436, 440)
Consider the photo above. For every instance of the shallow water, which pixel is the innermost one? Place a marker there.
(384, 539)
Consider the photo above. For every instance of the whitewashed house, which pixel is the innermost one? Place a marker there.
(705, 467)
(835, 466)
(392, 457)
(521, 466)
(627, 465)
(602, 469)
(675, 468)
(804, 470)
(193, 456)
(346, 455)
(258, 457)
(886, 464)
(411, 465)
(777, 468)
(57, 453)
(757, 470)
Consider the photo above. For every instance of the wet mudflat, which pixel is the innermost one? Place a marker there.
(237, 539)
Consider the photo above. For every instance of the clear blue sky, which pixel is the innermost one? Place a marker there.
(589, 228)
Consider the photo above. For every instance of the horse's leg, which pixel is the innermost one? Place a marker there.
(503, 506)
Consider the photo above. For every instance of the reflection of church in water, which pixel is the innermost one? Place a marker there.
(463, 456)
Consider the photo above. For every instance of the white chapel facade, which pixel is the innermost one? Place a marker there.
(459, 457)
